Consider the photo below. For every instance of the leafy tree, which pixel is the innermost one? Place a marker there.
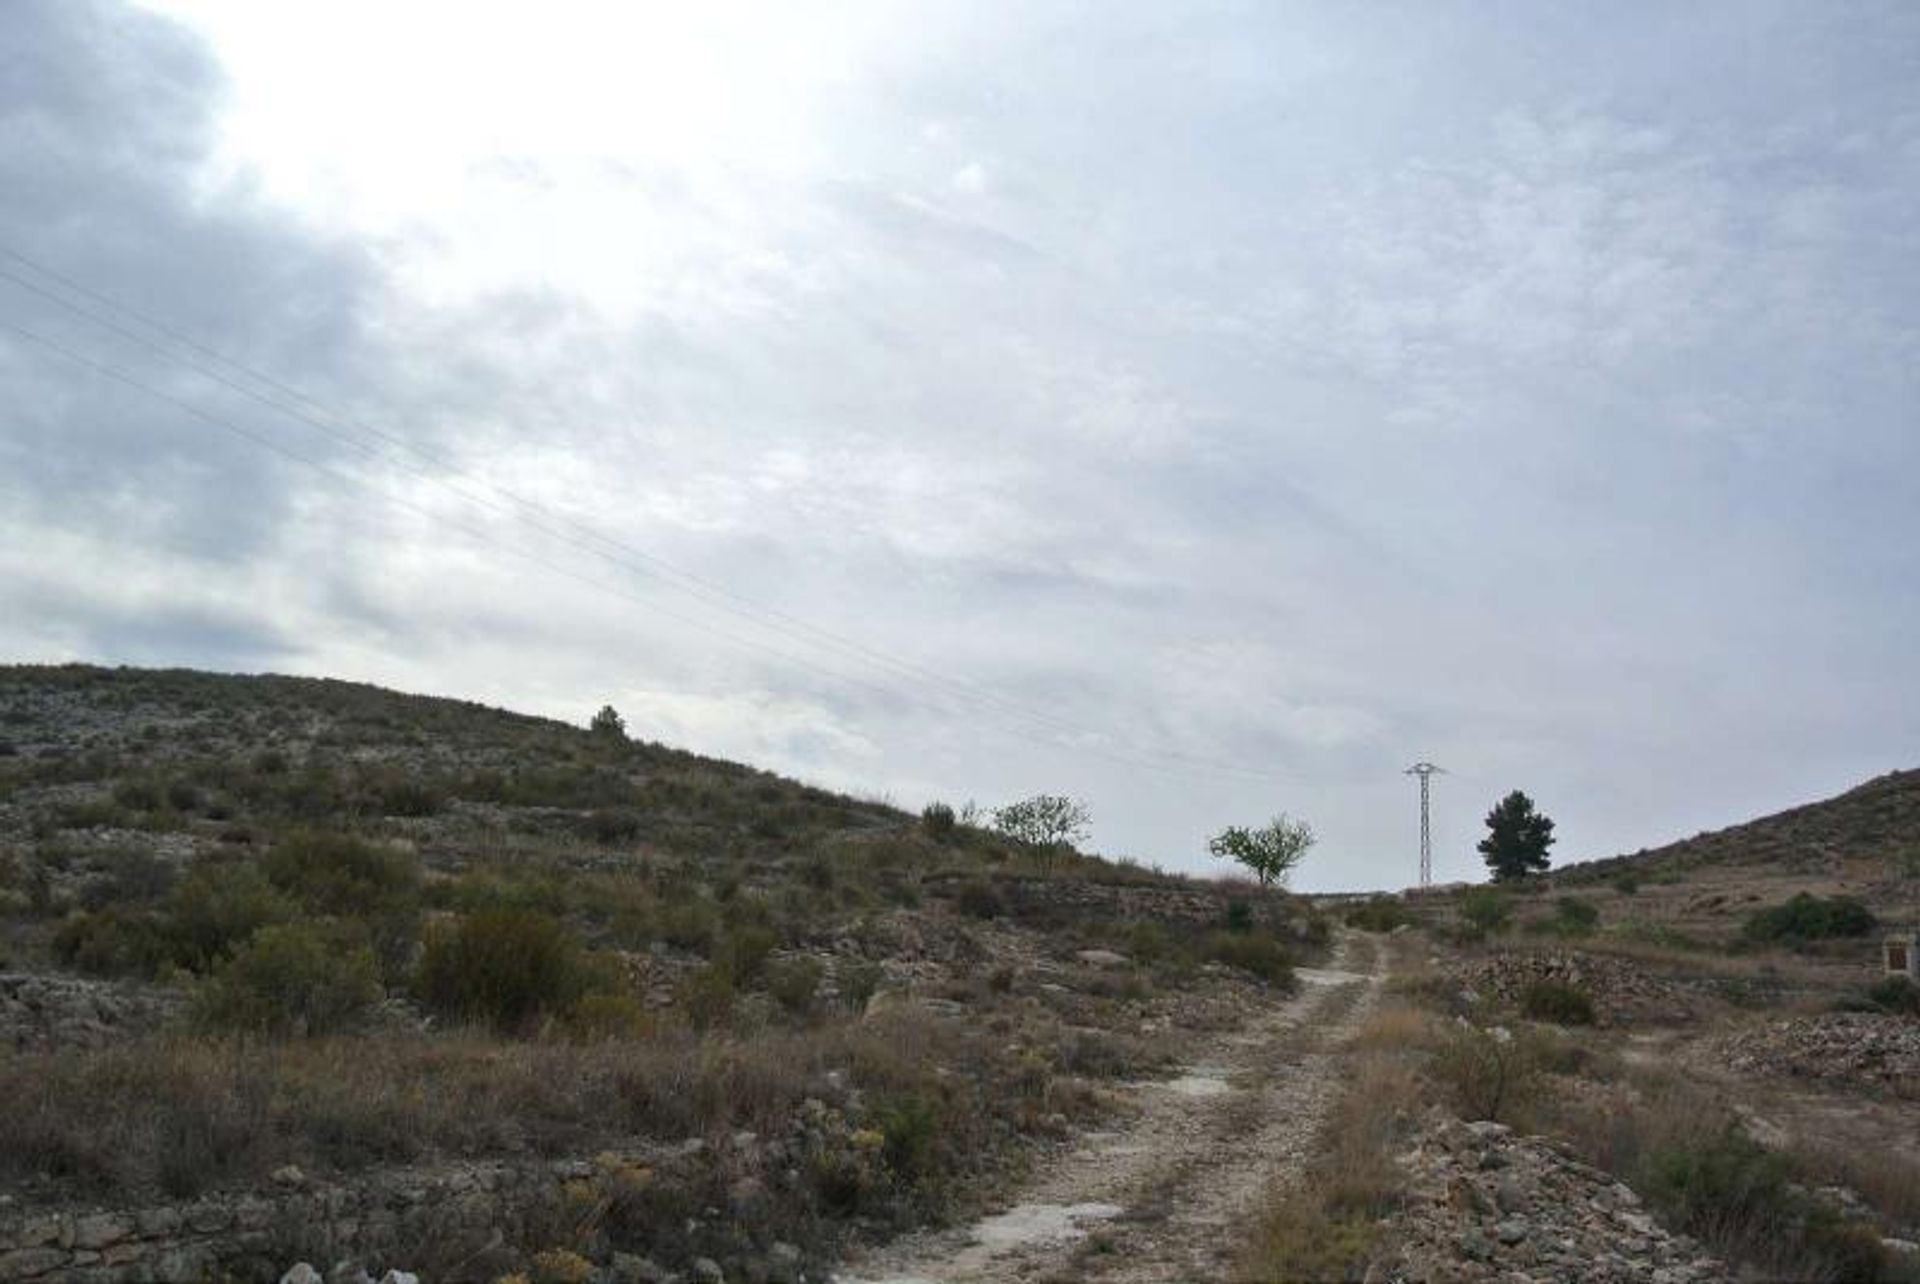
(1517, 838)
(608, 723)
(1270, 852)
(1044, 820)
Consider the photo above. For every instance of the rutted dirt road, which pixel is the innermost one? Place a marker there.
(1166, 1196)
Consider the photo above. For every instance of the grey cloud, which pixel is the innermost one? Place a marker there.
(107, 118)
(1312, 386)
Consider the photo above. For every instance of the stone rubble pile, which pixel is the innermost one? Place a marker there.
(1862, 1047)
(38, 1011)
(1487, 1204)
(1619, 988)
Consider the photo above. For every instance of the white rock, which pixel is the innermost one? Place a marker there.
(302, 1273)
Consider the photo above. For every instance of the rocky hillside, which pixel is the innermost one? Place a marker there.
(1878, 821)
(282, 958)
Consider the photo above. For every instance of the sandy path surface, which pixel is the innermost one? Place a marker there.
(1166, 1197)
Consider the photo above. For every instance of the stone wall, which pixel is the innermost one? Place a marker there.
(1132, 902)
(397, 1217)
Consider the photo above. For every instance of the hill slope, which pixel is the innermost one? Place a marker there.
(1878, 821)
(299, 968)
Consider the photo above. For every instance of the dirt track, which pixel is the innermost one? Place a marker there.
(1165, 1197)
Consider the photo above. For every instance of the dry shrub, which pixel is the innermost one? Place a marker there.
(1396, 1027)
(1678, 1145)
(507, 968)
(1328, 1226)
(185, 1115)
(1487, 1073)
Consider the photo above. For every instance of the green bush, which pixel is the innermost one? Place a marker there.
(336, 873)
(133, 876)
(688, 923)
(981, 899)
(1485, 910)
(611, 824)
(746, 949)
(1626, 884)
(393, 792)
(1377, 914)
(1724, 1181)
(1809, 918)
(911, 1126)
(939, 821)
(1262, 956)
(1558, 1002)
(113, 942)
(507, 968)
(1842, 1249)
(292, 979)
(706, 996)
(1896, 994)
(216, 907)
(857, 983)
(795, 982)
(1577, 917)
(1239, 916)
(607, 1014)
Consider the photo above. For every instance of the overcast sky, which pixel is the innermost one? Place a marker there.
(1203, 409)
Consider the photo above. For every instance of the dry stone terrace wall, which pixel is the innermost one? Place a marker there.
(384, 1218)
(1095, 901)
(1619, 988)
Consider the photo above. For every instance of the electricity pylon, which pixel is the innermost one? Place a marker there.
(1426, 771)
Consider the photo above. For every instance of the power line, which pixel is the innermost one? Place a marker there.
(570, 531)
(120, 376)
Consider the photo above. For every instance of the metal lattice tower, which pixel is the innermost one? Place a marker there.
(1426, 771)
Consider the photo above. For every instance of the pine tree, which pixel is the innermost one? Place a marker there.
(1517, 839)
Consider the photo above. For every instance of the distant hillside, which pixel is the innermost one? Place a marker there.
(1878, 821)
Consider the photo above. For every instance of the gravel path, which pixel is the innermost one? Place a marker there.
(1167, 1196)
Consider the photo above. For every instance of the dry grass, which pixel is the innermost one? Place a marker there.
(177, 1117)
(1326, 1227)
(1678, 1144)
(1885, 1178)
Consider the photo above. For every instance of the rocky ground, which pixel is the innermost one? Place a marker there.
(1485, 1203)
(46, 1011)
(1859, 1047)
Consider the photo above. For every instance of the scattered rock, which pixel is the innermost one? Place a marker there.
(302, 1273)
(1533, 1215)
(1859, 1046)
(1620, 989)
(1102, 958)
